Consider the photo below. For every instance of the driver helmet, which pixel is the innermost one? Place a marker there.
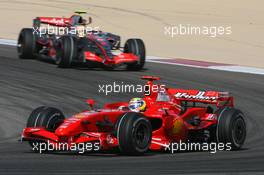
(137, 105)
(77, 20)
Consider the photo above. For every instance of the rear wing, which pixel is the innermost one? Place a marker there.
(53, 21)
(220, 99)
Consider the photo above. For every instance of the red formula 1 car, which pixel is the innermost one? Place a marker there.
(170, 116)
(71, 40)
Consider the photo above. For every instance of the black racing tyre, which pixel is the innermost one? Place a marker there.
(231, 127)
(47, 117)
(136, 47)
(26, 44)
(134, 133)
(66, 51)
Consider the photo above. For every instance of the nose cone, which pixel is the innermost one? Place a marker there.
(69, 127)
(62, 132)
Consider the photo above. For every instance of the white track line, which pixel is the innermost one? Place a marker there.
(243, 69)
(159, 60)
(154, 59)
(8, 42)
(230, 68)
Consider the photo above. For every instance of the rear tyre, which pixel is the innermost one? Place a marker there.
(136, 47)
(48, 117)
(26, 44)
(134, 133)
(231, 128)
(66, 51)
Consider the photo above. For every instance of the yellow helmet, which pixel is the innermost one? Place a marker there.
(137, 105)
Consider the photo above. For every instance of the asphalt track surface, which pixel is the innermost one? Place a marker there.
(27, 84)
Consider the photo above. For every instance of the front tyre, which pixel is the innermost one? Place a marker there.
(136, 47)
(66, 51)
(48, 117)
(231, 128)
(134, 133)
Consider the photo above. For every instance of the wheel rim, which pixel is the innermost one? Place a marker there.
(239, 131)
(141, 135)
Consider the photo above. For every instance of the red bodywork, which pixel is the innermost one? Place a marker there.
(168, 117)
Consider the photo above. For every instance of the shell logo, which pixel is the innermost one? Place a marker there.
(177, 127)
(79, 115)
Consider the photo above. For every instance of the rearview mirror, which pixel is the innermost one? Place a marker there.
(90, 102)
